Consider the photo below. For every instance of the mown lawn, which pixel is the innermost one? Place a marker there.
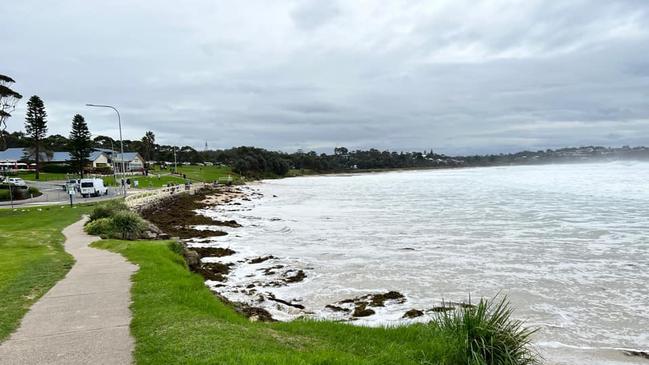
(32, 258)
(177, 320)
(44, 176)
(205, 173)
(147, 182)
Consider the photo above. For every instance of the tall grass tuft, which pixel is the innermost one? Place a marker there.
(492, 336)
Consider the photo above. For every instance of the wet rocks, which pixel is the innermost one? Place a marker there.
(214, 271)
(260, 259)
(297, 277)
(271, 270)
(336, 308)
(176, 214)
(294, 305)
(441, 309)
(413, 313)
(636, 353)
(256, 314)
(378, 300)
(213, 251)
(362, 306)
(361, 310)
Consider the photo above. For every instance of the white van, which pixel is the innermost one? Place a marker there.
(92, 187)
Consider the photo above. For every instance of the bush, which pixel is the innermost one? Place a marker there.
(18, 193)
(492, 336)
(60, 169)
(108, 209)
(106, 170)
(128, 225)
(100, 227)
(32, 191)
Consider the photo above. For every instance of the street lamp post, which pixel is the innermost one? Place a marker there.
(121, 142)
(112, 160)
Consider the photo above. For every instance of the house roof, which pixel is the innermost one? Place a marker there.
(12, 154)
(128, 156)
(17, 154)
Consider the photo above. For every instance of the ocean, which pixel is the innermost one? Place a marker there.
(567, 244)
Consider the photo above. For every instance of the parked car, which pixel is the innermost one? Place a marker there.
(92, 187)
(17, 182)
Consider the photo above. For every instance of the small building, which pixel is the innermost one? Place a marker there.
(23, 159)
(133, 162)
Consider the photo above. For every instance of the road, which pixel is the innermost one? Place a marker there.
(53, 193)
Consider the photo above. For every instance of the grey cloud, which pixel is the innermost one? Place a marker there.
(456, 76)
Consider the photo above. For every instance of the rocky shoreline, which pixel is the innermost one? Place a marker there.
(182, 216)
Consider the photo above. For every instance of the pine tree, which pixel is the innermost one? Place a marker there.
(36, 128)
(8, 100)
(80, 143)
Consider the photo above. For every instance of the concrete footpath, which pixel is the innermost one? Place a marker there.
(84, 318)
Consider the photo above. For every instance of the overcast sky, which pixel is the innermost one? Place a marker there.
(457, 76)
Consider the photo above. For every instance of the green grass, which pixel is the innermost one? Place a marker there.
(32, 258)
(176, 319)
(205, 173)
(148, 182)
(44, 176)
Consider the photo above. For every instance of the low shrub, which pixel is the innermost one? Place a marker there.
(100, 227)
(17, 193)
(128, 225)
(108, 209)
(492, 336)
(32, 191)
(60, 169)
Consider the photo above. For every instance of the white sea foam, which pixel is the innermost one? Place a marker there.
(569, 244)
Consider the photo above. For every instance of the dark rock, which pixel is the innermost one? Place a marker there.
(461, 305)
(192, 258)
(378, 300)
(271, 270)
(336, 308)
(299, 276)
(213, 251)
(214, 271)
(260, 259)
(413, 313)
(257, 314)
(361, 310)
(294, 305)
(441, 309)
(636, 353)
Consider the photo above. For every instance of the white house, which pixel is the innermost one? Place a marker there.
(133, 161)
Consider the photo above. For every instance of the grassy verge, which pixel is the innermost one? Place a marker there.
(176, 319)
(205, 173)
(32, 258)
(147, 182)
(44, 176)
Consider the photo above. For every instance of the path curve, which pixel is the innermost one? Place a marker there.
(84, 318)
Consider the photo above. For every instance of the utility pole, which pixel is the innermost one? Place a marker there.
(175, 167)
(121, 142)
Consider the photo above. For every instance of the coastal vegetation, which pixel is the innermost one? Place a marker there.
(32, 258)
(253, 162)
(176, 319)
(113, 219)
